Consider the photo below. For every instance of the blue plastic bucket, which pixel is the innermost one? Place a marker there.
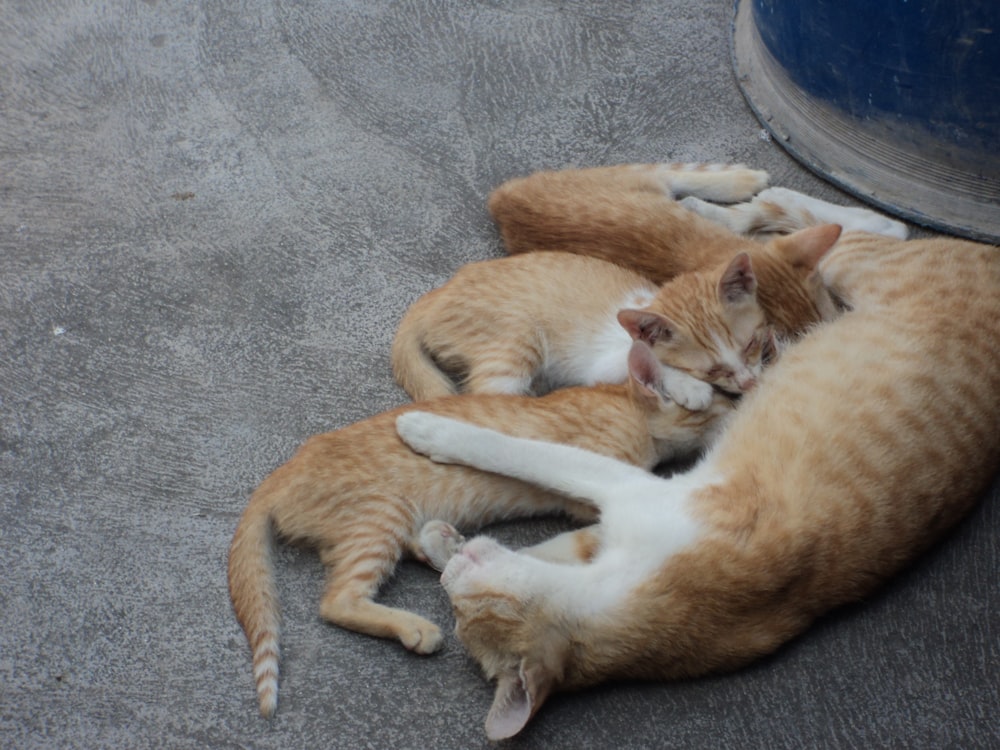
(896, 101)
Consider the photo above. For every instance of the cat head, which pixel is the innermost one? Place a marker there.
(792, 289)
(675, 428)
(504, 618)
(707, 324)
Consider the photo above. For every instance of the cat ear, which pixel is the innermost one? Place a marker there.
(771, 349)
(806, 247)
(738, 280)
(644, 369)
(519, 694)
(643, 325)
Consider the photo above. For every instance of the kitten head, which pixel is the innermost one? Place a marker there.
(675, 429)
(501, 609)
(792, 290)
(707, 324)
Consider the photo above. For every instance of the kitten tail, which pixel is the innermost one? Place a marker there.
(254, 596)
(412, 366)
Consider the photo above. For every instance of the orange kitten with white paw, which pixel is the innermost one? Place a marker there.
(362, 498)
(538, 321)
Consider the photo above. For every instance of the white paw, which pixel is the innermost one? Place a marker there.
(783, 196)
(439, 542)
(689, 392)
(851, 218)
(724, 183)
(429, 434)
(420, 636)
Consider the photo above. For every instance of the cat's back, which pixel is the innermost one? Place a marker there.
(878, 430)
(602, 418)
(530, 282)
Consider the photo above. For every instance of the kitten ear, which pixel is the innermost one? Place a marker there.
(806, 247)
(518, 696)
(771, 349)
(738, 280)
(644, 370)
(643, 325)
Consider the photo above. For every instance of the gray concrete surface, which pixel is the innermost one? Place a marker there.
(212, 214)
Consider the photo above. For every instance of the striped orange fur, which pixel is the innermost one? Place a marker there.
(361, 497)
(872, 436)
(536, 321)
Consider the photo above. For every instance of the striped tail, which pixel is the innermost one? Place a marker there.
(412, 366)
(254, 596)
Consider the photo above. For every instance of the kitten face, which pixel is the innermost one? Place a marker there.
(730, 358)
(707, 325)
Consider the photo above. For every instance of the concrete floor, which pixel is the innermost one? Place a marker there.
(212, 215)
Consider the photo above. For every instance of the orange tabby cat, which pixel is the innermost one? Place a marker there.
(536, 321)
(533, 323)
(873, 434)
(361, 497)
(628, 215)
(713, 330)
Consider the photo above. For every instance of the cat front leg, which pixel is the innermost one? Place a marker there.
(810, 211)
(563, 468)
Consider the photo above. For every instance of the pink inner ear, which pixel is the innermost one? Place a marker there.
(643, 325)
(629, 321)
(644, 367)
(738, 280)
(810, 245)
(511, 708)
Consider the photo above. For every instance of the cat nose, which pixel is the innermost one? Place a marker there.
(746, 382)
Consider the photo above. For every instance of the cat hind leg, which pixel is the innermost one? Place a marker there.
(783, 211)
(814, 211)
(440, 541)
(507, 369)
(741, 218)
(354, 574)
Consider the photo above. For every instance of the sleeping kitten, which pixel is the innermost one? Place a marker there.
(713, 330)
(535, 322)
(873, 435)
(627, 214)
(361, 497)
